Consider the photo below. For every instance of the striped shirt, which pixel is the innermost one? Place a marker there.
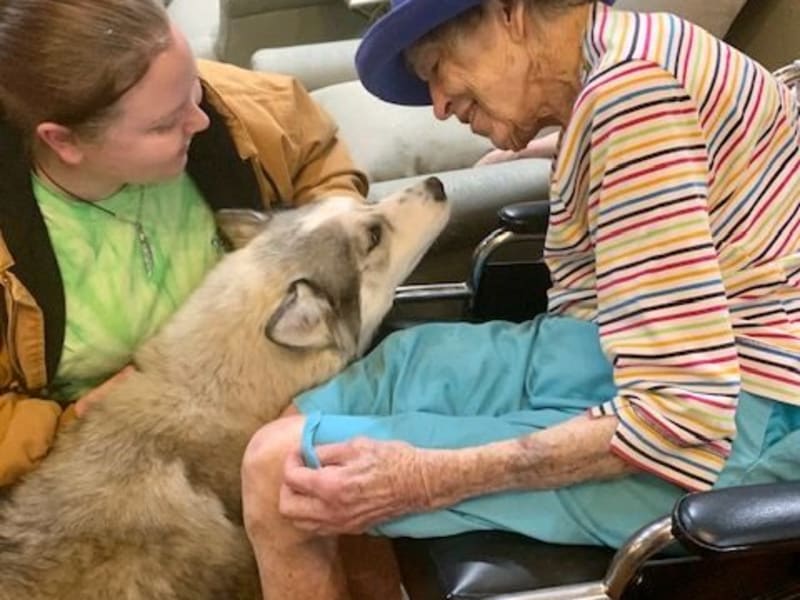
(674, 226)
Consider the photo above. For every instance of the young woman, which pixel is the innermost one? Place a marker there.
(115, 149)
(669, 357)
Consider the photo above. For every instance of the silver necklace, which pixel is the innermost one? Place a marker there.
(145, 247)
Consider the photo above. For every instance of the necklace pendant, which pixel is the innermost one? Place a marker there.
(146, 248)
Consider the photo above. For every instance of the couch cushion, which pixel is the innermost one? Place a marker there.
(716, 16)
(314, 65)
(390, 141)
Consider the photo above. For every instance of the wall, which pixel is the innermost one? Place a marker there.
(768, 30)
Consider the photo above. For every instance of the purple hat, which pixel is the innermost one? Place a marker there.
(380, 59)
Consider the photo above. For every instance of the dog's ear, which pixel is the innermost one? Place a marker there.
(238, 226)
(302, 319)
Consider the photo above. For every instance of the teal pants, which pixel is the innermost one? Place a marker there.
(460, 385)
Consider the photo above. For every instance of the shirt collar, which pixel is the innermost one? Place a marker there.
(594, 45)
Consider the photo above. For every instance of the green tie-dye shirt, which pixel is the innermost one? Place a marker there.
(112, 304)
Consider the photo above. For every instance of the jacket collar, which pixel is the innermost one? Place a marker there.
(225, 180)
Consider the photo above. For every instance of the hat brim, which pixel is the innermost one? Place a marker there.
(380, 58)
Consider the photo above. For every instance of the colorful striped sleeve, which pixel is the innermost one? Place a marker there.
(662, 309)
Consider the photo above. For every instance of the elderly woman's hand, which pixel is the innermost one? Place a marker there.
(541, 147)
(364, 482)
(361, 482)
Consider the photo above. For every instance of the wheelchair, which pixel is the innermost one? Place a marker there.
(740, 543)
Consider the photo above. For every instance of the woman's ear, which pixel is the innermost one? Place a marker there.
(513, 14)
(61, 140)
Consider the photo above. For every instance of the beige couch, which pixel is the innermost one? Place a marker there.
(231, 30)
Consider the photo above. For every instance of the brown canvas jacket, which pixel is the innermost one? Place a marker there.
(268, 143)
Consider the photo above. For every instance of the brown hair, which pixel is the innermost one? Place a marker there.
(69, 61)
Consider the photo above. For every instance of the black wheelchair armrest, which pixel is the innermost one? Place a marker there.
(751, 519)
(525, 217)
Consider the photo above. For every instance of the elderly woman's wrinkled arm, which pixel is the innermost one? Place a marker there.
(573, 452)
(364, 482)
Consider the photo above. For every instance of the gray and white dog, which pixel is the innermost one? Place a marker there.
(140, 500)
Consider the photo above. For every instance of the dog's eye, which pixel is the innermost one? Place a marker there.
(374, 234)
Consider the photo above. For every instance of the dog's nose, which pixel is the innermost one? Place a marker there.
(436, 188)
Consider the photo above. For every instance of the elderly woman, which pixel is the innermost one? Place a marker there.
(669, 359)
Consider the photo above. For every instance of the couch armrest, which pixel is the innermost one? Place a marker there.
(315, 65)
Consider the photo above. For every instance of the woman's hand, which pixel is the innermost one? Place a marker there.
(361, 482)
(541, 147)
(496, 156)
(86, 401)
